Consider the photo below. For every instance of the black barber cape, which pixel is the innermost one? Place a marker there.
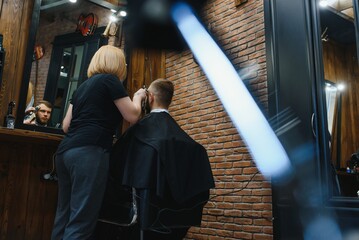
(170, 171)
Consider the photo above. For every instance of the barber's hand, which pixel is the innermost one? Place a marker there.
(29, 110)
(140, 93)
(29, 121)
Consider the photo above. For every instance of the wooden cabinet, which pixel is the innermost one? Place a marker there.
(27, 202)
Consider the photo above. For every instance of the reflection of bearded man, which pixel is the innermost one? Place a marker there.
(40, 115)
(43, 115)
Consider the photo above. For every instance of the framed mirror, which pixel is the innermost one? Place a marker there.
(333, 98)
(71, 55)
(63, 38)
(339, 43)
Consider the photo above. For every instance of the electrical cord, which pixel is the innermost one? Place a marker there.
(167, 229)
(235, 191)
(51, 176)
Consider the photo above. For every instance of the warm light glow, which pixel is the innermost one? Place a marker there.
(122, 13)
(341, 87)
(323, 3)
(113, 18)
(330, 88)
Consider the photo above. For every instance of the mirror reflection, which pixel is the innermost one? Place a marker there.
(339, 47)
(67, 36)
(67, 82)
(39, 115)
(331, 92)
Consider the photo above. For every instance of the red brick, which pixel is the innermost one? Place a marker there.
(240, 33)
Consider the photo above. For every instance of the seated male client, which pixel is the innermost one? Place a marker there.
(169, 170)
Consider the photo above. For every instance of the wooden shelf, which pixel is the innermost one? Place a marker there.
(20, 135)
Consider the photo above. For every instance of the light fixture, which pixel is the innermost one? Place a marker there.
(118, 15)
(122, 13)
(113, 18)
(331, 89)
(73, 1)
(323, 3)
(340, 87)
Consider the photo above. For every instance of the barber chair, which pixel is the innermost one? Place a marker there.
(158, 176)
(140, 213)
(119, 206)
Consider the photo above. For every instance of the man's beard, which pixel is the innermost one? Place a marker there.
(40, 122)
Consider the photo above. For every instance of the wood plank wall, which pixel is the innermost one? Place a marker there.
(15, 20)
(145, 66)
(27, 203)
(341, 66)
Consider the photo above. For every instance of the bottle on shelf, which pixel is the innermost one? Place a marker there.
(9, 121)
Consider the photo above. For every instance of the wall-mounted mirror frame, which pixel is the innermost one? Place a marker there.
(27, 72)
(338, 47)
(334, 109)
(35, 27)
(71, 55)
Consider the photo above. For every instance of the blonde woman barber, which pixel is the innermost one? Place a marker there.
(82, 157)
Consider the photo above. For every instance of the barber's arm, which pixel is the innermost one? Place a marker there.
(30, 115)
(30, 121)
(67, 120)
(30, 110)
(131, 110)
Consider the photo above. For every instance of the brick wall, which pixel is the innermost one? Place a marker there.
(231, 213)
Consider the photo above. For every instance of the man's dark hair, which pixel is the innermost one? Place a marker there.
(163, 89)
(46, 103)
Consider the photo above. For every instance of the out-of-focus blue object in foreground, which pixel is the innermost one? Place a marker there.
(266, 149)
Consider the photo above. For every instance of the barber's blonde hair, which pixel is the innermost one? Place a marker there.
(109, 60)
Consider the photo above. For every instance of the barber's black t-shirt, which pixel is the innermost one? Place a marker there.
(94, 115)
